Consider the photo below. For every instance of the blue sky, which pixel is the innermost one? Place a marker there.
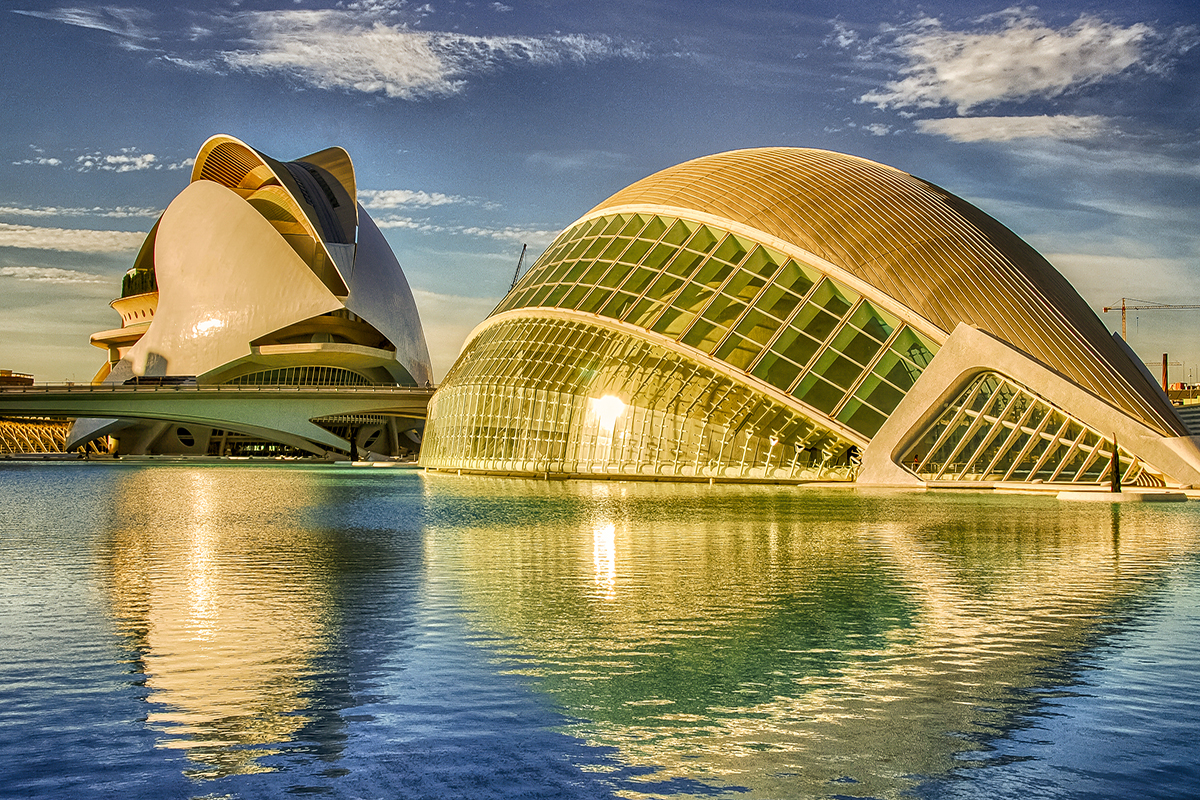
(476, 127)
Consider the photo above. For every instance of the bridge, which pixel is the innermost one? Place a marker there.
(278, 413)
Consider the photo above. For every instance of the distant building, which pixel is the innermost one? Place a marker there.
(262, 273)
(790, 314)
(10, 378)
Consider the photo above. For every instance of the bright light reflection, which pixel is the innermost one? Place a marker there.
(206, 326)
(604, 559)
(607, 409)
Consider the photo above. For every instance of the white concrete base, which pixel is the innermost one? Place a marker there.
(1122, 497)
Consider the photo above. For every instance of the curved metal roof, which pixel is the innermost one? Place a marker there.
(917, 243)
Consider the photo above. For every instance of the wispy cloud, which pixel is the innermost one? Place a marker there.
(1003, 129)
(69, 240)
(126, 159)
(533, 237)
(373, 46)
(1013, 55)
(51, 275)
(396, 198)
(131, 23)
(119, 212)
(342, 49)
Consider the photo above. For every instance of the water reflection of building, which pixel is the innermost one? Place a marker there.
(789, 642)
(228, 620)
(780, 313)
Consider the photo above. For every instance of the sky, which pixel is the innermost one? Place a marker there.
(476, 127)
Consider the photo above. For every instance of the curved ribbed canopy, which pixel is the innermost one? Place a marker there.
(917, 243)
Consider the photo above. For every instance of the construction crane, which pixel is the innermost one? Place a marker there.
(1145, 305)
(517, 274)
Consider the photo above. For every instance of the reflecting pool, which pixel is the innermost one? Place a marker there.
(175, 630)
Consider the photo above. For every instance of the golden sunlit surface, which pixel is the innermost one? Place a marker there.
(793, 639)
(225, 617)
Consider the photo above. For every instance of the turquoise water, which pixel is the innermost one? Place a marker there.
(262, 631)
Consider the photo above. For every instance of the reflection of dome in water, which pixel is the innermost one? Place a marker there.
(780, 636)
(781, 313)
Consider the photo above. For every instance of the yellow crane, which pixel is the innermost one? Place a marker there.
(1145, 305)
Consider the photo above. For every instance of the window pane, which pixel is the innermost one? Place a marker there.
(795, 346)
(815, 322)
(739, 352)
(777, 371)
(758, 326)
(818, 394)
(744, 285)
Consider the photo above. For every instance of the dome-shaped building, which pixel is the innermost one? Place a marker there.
(262, 273)
(792, 314)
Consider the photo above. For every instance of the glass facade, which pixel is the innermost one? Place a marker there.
(565, 396)
(755, 309)
(996, 430)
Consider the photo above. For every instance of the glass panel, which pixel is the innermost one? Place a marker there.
(818, 393)
(594, 249)
(835, 367)
(673, 321)
(732, 250)
(684, 263)
(795, 346)
(614, 249)
(744, 285)
(833, 298)
(614, 225)
(644, 311)
(856, 344)
(704, 335)
(556, 294)
(638, 280)
(713, 273)
(739, 352)
(693, 297)
(758, 326)
(595, 272)
(796, 279)
(874, 322)
(595, 300)
(777, 371)
(664, 287)
(618, 305)
(861, 418)
(777, 302)
(634, 226)
(636, 250)
(574, 297)
(703, 240)
(678, 233)
(879, 393)
(762, 263)
(723, 310)
(655, 228)
(815, 322)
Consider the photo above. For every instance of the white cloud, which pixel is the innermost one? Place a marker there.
(334, 49)
(69, 240)
(1003, 129)
(39, 161)
(395, 198)
(534, 238)
(1022, 58)
(119, 212)
(51, 275)
(126, 159)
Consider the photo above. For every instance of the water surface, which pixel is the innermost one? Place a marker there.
(265, 630)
